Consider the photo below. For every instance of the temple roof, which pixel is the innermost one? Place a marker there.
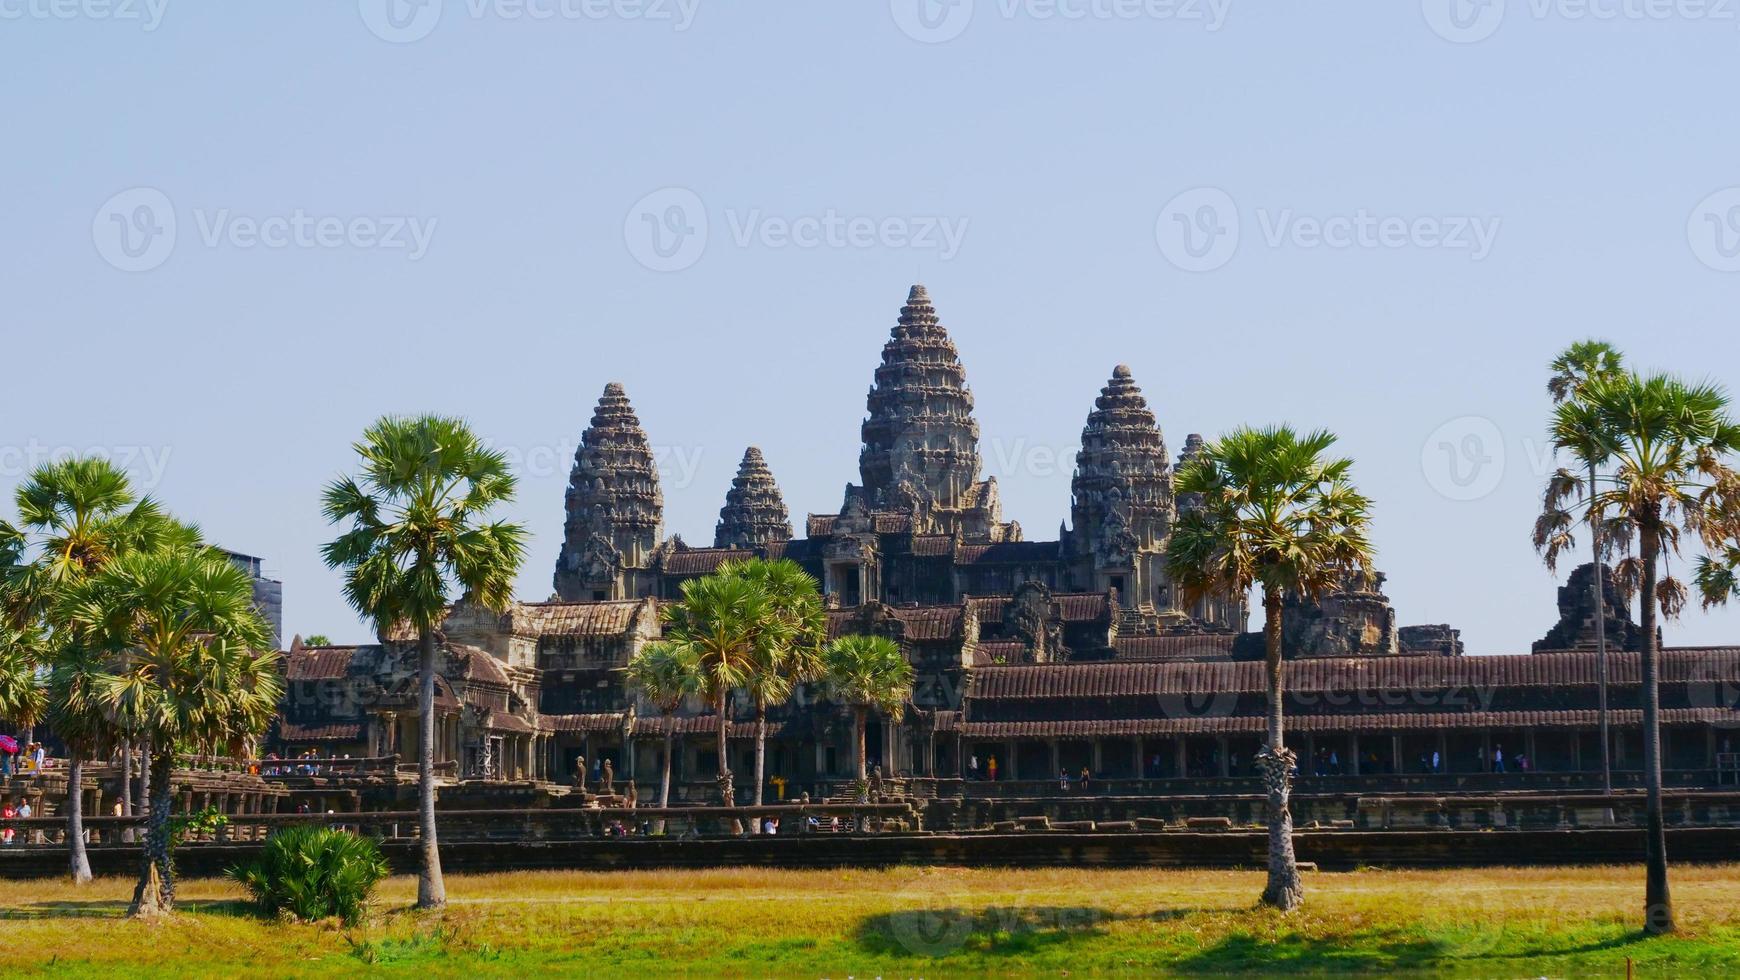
(701, 561)
(577, 618)
(614, 504)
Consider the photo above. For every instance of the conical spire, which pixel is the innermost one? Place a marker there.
(754, 515)
(920, 430)
(1193, 446)
(1123, 479)
(615, 507)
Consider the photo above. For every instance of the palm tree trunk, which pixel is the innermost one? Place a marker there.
(665, 777)
(127, 787)
(760, 750)
(431, 887)
(1284, 890)
(145, 776)
(858, 713)
(1601, 646)
(155, 894)
(727, 792)
(79, 862)
(1658, 912)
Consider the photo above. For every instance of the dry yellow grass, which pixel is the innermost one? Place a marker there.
(907, 921)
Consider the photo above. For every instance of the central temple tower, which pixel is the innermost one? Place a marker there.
(920, 438)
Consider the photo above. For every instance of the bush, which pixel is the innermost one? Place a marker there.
(314, 873)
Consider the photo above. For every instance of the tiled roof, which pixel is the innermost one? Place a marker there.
(930, 545)
(289, 731)
(480, 665)
(708, 725)
(702, 561)
(1007, 553)
(502, 721)
(318, 663)
(1212, 646)
(930, 622)
(1334, 723)
(988, 609)
(607, 721)
(998, 651)
(1340, 674)
(820, 525)
(1084, 607)
(608, 618)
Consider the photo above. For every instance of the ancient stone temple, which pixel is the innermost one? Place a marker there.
(1046, 655)
(615, 508)
(754, 515)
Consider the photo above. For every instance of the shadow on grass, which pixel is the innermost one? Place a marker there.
(996, 931)
(1369, 951)
(117, 909)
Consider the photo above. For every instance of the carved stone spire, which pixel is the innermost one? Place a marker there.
(1193, 446)
(920, 431)
(1123, 479)
(615, 507)
(754, 515)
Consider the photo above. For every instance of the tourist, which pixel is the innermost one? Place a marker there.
(1084, 778)
(1335, 762)
(1498, 758)
(973, 766)
(7, 813)
(25, 812)
(1437, 763)
(1063, 780)
(991, 769)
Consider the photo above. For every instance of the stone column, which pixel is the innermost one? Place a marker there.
(1529, 748)
(1225, 750)
(1180, 756)
(1396, 761)
(1056, 758)
(1353, 767)
(1099, 757)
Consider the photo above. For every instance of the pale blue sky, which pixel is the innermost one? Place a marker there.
(524, 152)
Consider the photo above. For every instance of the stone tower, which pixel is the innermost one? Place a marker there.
(615, 508)
(920, 439)
(754, 515)
(1122, 508)
(1218, 613)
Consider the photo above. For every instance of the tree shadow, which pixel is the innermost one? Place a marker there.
(1003, 931)
(117, 909)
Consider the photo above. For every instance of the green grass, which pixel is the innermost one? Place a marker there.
(906, 922)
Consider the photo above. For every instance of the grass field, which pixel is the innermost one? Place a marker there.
(907, 922)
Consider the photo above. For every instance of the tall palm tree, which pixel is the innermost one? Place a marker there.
(794, 655)
(192, 669)
(416, 529)
(722, 621)
(867, 672)
(1668, 443)
(666, 674)
(1572, 370)
(21, 695)
(1278, 512)
(76, 516)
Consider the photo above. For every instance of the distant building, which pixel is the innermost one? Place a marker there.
(268, 593)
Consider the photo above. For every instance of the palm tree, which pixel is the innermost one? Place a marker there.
(1573, 369)
(192, 670)
(78, 515)
(1276, 512)
(1668, 443)
(722, 621)
(867, 672)
(666, 674)
(21, 698)
(415, 530)
(795, 654)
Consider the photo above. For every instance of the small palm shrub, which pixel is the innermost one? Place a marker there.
(314, 873)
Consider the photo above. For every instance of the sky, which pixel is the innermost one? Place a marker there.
(236, 233)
